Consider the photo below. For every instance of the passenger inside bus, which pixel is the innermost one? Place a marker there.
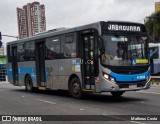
(121, 50)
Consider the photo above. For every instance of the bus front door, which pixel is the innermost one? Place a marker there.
(14, 65)
(89, 62)
(40, 63)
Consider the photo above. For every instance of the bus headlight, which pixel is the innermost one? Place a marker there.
(106, 76)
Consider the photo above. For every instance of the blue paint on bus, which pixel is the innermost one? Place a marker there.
(130, 77)
(23, 71)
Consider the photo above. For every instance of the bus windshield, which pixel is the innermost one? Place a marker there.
(121, 50)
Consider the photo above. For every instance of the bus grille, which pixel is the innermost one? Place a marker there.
(126, 85)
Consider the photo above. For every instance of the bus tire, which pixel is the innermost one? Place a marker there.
(29, 84)
(75, 88)
(117, 94)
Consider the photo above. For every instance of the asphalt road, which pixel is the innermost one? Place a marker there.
(16, 101)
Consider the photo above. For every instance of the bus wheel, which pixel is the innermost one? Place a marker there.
(117, 94)
(75, 88)
(29, 84)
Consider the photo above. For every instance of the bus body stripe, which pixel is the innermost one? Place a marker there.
(130, 77)
(23, 71)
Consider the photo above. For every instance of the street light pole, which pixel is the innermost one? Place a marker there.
(11, 36)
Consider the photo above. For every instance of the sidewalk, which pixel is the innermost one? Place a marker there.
(3, 82)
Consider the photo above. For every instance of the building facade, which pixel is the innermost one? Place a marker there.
(31, 19)
(157, 7)
(3, 69)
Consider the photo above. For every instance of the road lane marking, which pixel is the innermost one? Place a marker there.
(46, 101)
(81, 109)
(104, 114)
(148, 92)
(3, 92)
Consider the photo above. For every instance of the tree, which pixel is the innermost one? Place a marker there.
(149, 25)
(153, 27)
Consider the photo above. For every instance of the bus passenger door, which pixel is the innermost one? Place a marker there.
(90, 65)
(40, 63)
(14, 65)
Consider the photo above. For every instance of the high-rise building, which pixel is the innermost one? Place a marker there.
(157, 7)
(31, 19)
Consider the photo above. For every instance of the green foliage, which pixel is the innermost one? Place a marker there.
(153, 27)
(149, 25)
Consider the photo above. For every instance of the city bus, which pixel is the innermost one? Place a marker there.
(96, 58)
(154, 52)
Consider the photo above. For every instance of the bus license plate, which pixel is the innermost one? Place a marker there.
(133, 86)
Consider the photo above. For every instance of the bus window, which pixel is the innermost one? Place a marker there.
(52, 48)
(69, 39)
(154, 52)
(69, 47)
(21, 52)
(9, 54)
(30, 51)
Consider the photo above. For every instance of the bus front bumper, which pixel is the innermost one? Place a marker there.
(107, 86)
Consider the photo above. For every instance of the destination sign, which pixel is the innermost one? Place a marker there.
(123, 27)
(116, 27)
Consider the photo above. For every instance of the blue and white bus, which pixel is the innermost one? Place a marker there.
(154, 52)
(96, 58)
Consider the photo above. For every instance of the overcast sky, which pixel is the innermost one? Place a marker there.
(71, 13)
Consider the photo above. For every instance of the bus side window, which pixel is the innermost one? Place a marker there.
(52, 48)
(9, 55)
(30, 51)
(154, 52)
(69, 47)
(21, 52)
